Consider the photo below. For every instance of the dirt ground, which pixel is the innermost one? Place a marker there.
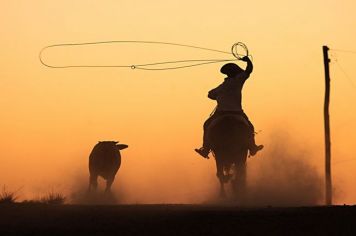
(39, 219)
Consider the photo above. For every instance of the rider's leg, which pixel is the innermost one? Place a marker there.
(207, 123)
(252, 143)
(205, 149)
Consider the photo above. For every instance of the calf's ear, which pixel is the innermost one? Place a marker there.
(122, 146)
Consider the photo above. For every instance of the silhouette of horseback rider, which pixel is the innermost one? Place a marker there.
(228, 97)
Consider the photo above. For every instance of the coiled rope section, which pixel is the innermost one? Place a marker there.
(149, 66)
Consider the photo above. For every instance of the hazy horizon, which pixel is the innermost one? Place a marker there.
(51, 118)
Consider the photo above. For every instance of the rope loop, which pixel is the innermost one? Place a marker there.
(155, 65)
(235, 53)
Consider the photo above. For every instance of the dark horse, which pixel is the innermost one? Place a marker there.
(228, 136)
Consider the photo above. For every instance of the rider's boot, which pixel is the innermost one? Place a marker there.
(253, 147)
(203, 151)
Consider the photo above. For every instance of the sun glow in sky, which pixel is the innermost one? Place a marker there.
(51, 118)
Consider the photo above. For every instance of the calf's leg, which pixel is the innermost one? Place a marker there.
(93, 182)
(109, 182)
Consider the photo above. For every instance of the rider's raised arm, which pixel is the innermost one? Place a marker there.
(249, 67)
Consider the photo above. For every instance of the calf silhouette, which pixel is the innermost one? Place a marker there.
(104, 161)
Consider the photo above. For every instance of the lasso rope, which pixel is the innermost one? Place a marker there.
(149, 66)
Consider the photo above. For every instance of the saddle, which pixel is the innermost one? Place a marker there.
(236, 116)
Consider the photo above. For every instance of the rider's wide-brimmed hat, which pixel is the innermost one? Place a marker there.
(230, 69)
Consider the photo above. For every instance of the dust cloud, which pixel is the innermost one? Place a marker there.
(282, 175)
(179, 182)
(79, 193)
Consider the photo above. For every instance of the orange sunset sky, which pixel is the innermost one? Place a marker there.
(51, 118)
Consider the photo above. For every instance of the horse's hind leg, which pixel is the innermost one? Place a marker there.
(222, 189)
(221, 177)
(239, 185)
